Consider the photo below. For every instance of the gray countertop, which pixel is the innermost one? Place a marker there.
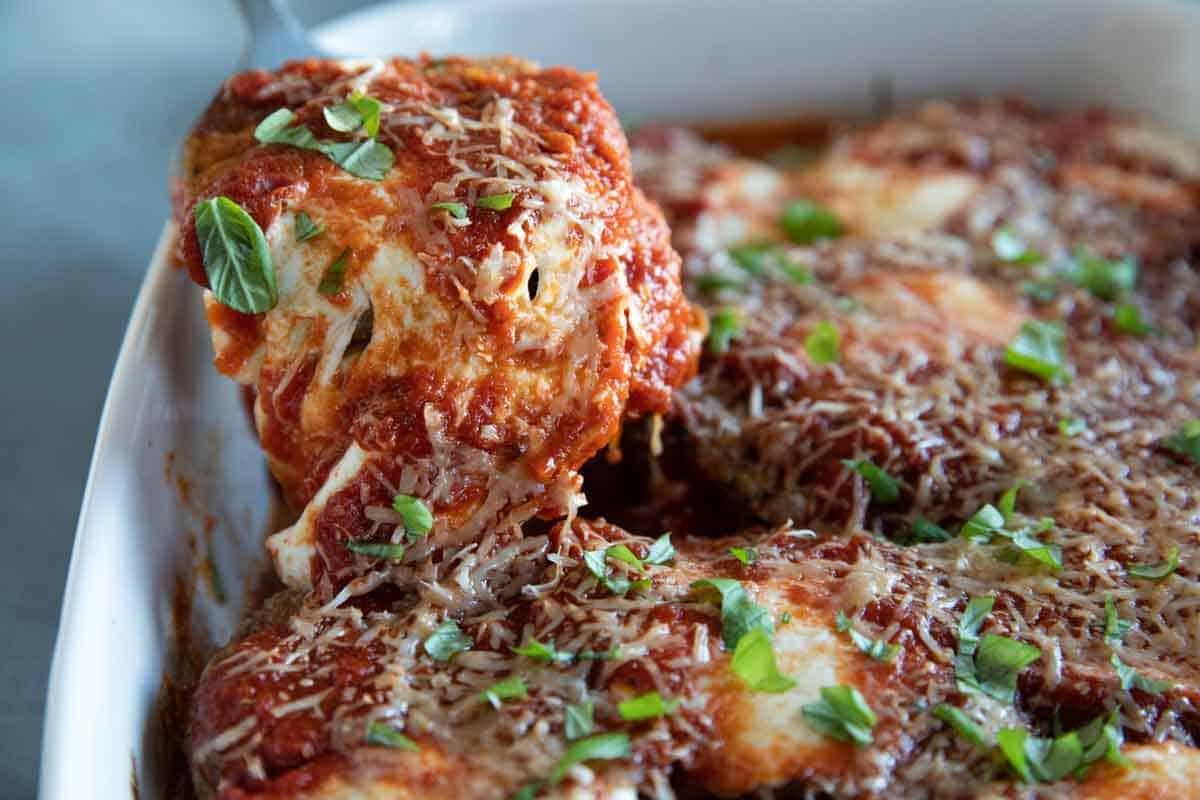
(95, 97)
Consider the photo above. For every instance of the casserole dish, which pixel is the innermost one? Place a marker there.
(177, 492)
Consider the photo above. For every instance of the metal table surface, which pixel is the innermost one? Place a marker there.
(96, 95)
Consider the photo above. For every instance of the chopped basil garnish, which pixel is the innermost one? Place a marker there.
(1128, 319)
(785, 618)
(1041, 291)
(612, 654)
(993, 670)
(1007, 504)
(418, 519)
(305, 228)
(925, 532)
(1186, 443)
(712, 282)
(770, 260)
(236, 258)
(647, 706)
(1102, 739)
(546, 653)
(989, 665)
(754, 662)
(824, 343)
(1009, 247)
(842, 714)
(511, 688)
(1115, 628)
(739, 613)
(746, 555)
(366, 158)
(961, 723)
(884, 487)
(1158, 570)
(1035, 759)
(877, 649)
(335, 274)
(661, 551)
(723, 326)
(446, 641)
(1039, 350)
(597, 563)
(983, 525)
(358, 111)
(381, 734)
(456, 210)
(577, 721)
(1071, 426)
(1132, 679)
(603, 747)
(496, 202)
(389, 550)
(805, 222)
(1105, 279)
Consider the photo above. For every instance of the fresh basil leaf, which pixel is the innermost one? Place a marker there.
(529, 790)
(712, 282)
(884, 487)
(647, 706)
(364, 159)
(925, 532)
(1104, 279)
(661, 552)
(1039, 350)
(389, 550)
(824, 343)
(972, 621)
(746, 555)
(1132, 679)
(723, 327)
(446, 641)
(613, 654)
(456, 210)
(997, 662)
(496, 202)
(1102, 739)
(754, 662)
(418, 519)
(1071, 426)
(785, 618)
(1040, 291)
(335, 275)
(380, 734)
(1010, 248)
(1128, 319)
(983, 525)
(236, 258)
(602, 747)
(577, 721)
(739, 613)
(623, 554)
(368, 108)
(511, 688)
(343, 117)
(1007, 504)
(1025, 544)
(545, 653)
(1036, 760)
(305, 228)
(805, 222)
(1115, 628)
(1186, 443)
(769, 260)
(877, 649)
(842, 714)
(961, 723)
(1159, 570)
(274, 129)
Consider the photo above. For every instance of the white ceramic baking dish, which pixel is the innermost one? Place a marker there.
(170, 418)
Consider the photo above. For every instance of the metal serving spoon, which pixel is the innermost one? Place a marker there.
(276, 35)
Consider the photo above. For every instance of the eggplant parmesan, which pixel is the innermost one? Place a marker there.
(948, 407)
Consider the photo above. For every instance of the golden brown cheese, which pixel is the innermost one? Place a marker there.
(476, 362)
